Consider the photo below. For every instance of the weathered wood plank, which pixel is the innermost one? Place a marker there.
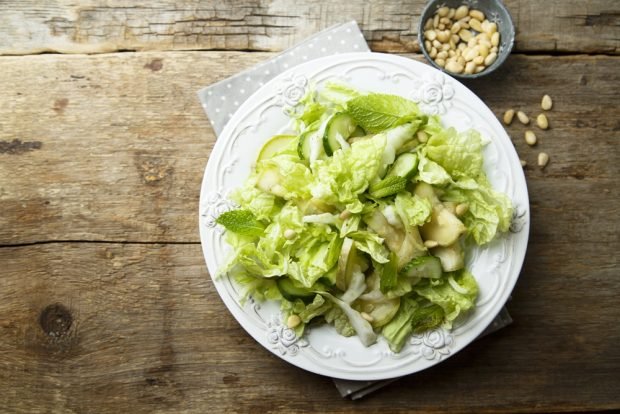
(108, 328)
(389, 25)
(112, 147)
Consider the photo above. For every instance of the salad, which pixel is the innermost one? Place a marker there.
(360, 218)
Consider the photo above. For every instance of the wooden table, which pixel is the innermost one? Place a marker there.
(105, 302)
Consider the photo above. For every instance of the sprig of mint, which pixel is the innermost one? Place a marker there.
(241, 222)
(388, 186)
(376, 112)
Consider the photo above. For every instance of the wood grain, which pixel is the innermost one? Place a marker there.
(106, 305)
(149, 332)
(97, 26)
(114, 150)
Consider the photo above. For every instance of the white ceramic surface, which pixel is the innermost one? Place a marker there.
(496, 266)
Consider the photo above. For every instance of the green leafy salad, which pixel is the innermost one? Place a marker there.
(361, 217)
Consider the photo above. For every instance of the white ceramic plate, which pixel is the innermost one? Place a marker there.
(496, 266)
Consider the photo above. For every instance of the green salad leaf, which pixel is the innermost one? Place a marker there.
(377, 112)
(364, 236)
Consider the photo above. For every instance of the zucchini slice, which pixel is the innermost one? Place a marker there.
(405, 166)
(424, 266)
(292, 292)
(339, 128)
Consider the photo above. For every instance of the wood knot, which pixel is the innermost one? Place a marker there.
(18, 146)
(154, 65)
(152, 169)
(55, 320)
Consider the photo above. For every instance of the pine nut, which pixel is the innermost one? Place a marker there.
(508, 116)
(451, 53)
(290, 234)
(480, 69)
(443, 36)
(454, 67)
(461, 46)
(479, 60)
(441, 26)
(422, 136)
(470, 54)
(429, 24)
(546, 103)
(430, 244)
(542, 121)
(530, 138)
(470, 67)
(495, 39)
(475, 24)
(461, 60)
(442, 55)
(456, 27)
(445, 46)
(436, 21)
(523, 118)
(433, 53)
(523, 163)
(430, 35)
(483, 51)
(461, 209)
(494, 49)
(445, 20)
(293, 321)
(543, 159)
(345, 214)
(367, 317)
(465, 35)
(427, 45)
(436, 43)
(451, 13)
(488, 61)
(456, 39)
(461, 12)
(472, 42)
(477, 14)
(464, 24)
(440, 62)
(443, 11)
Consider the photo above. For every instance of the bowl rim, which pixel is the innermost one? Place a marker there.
(500, 58)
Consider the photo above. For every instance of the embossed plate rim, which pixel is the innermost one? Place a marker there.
(323, 351)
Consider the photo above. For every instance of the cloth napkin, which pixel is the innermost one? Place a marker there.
(221, 100)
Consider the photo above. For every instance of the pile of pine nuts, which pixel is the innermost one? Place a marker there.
(530, 137)
(461, 40)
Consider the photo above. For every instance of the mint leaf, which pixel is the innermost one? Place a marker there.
(389, 276)
(241, 222)
(388, 186)
(376, 112)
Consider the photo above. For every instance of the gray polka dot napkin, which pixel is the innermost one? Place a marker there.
(220, 101)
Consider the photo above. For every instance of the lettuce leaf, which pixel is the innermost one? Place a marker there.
(412, 210)
(455, 293)
(340, 180)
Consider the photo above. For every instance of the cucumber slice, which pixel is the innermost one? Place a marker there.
(425, 266)
(292, 292)
(339, 128)
(358, 132)
(405, 166)
(408, 146)
(304, 148)
(275, 144)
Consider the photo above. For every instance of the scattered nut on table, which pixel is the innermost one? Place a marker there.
(543, 159)
(546, 103)
(508, 116)
(470, 41)
(524, 119)
(530, 138)
(542, 121)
